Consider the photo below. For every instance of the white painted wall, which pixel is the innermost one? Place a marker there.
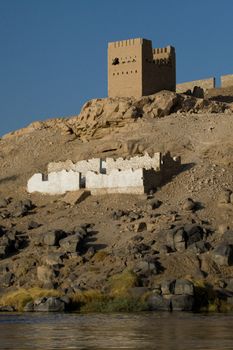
(58, 182)
(136, 162)
(127, 181)
(82, 166)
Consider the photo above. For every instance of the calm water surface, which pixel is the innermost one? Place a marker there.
(176, 331)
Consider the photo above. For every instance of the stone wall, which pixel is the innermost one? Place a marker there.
(136, 162)
(127, 181)
(203, 83)
(227, 80)
(56, 182)
(83, 166)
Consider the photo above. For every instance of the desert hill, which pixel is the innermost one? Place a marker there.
(178, 231)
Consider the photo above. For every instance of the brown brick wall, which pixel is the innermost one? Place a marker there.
(203, 83)
(227, 80)
(136, 69)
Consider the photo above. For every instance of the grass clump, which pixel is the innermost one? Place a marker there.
(117, 299)
(88, 296)
(118, 304)
(19, 298)
(120, 284)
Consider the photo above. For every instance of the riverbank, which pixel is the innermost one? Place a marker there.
(123, 295)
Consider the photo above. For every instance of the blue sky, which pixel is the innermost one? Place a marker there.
(54, 52)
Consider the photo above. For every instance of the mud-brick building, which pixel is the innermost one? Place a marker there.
(136, 69)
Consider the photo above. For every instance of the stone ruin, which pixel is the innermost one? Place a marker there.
(136, 175)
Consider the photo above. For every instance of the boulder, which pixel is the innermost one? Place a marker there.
(164, 249)
(27, 203)
(183, 286)
(168, 287)
(133, 216)
(179, 239)
(228, 237)
(53, 237)
(223, 254)
(158, 303)
(32, 225)
(70, 244)
(7, 245)
(116, 215)
(161, 104)
(7, 308)
(53, 259)
(23, 207)
(229, 283)
(194, 233)
(153, 203)
(140, 226)
(188, 204)
(145, 267)
(47, 304)
(3, 251)
(182, 302)
(199, 247)
(45, 274)
(29, 307)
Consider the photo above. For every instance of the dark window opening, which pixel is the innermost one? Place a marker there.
(45, 177)
(115, 61)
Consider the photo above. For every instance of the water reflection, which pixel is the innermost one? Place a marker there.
(162, 331)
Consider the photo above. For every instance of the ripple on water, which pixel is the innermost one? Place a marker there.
(163, 331)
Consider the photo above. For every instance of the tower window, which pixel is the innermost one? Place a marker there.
(115, 61)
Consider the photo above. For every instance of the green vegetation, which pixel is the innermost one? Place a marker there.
(117, 299)
(119, 304)
(120, 284)
(19, 298)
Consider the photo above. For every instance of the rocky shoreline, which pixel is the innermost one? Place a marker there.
(124, 278)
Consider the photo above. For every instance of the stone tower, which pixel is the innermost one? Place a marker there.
(136, 69)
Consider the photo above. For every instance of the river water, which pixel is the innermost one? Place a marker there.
(168, 331)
